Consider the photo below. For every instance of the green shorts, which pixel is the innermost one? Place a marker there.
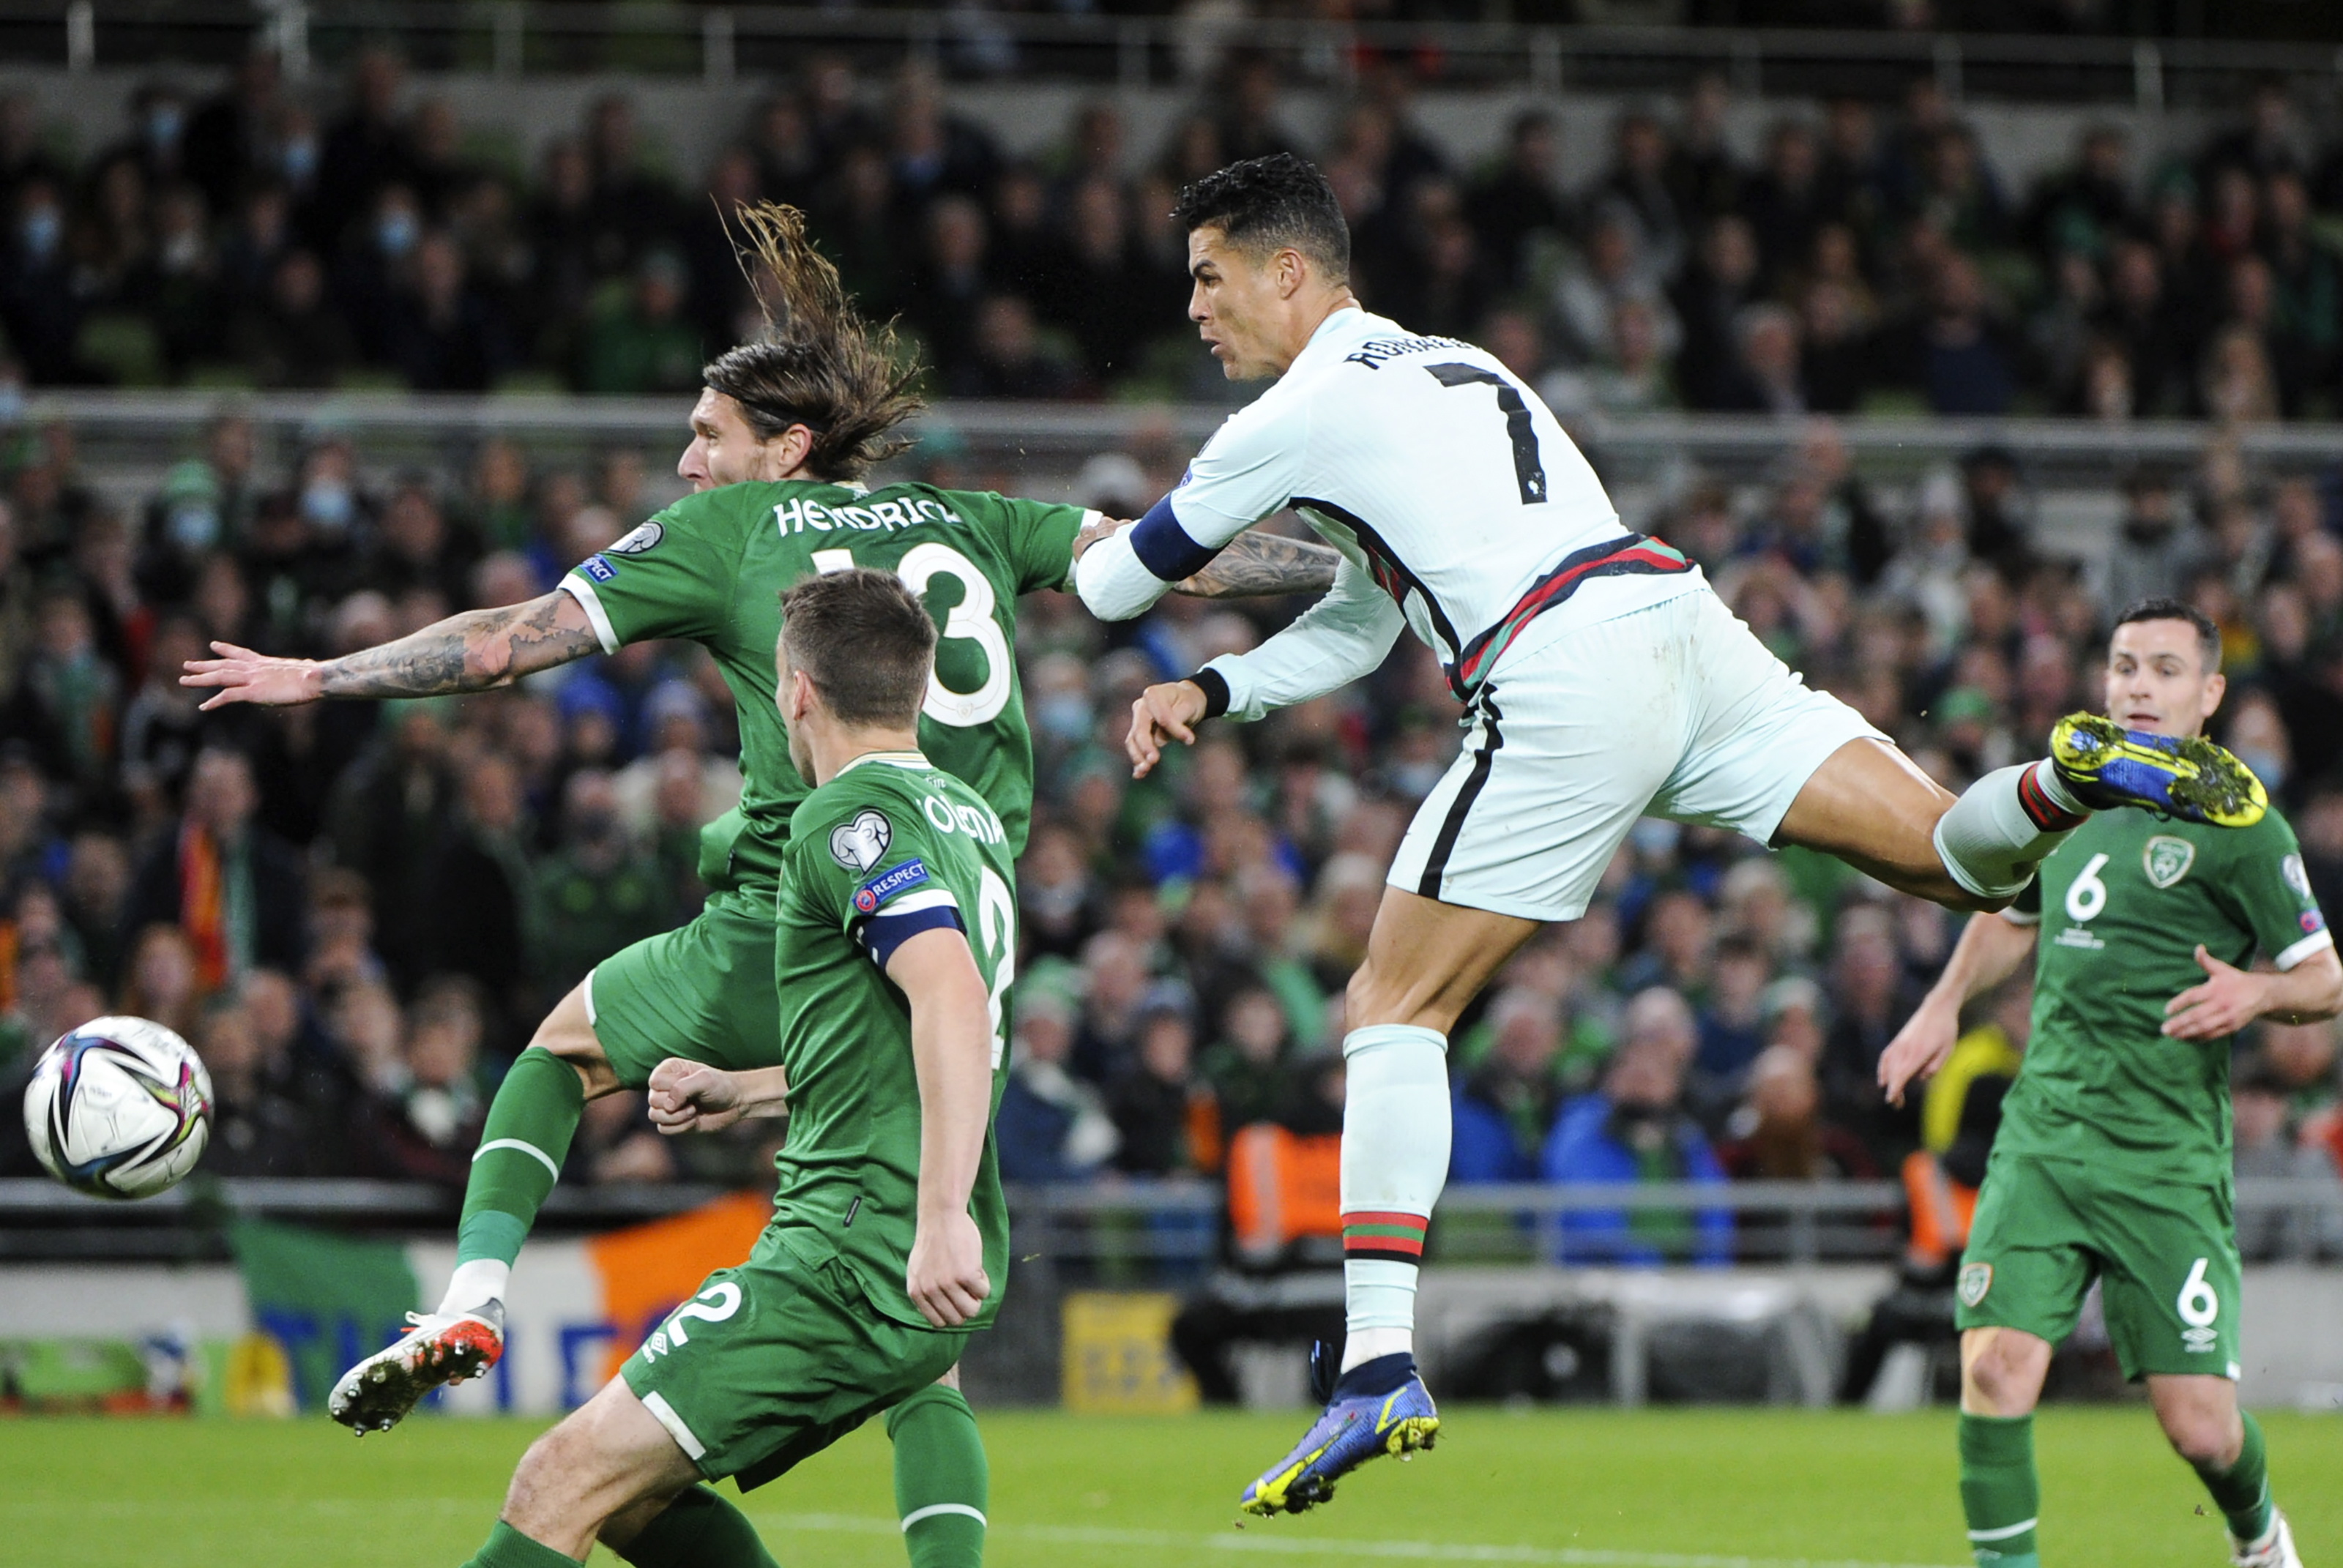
(2166, 1257)
(703, 991)
(771, 1363)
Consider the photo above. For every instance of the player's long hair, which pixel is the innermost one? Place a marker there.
(818, 362)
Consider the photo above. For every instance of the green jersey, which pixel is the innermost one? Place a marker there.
(891, 847)
(711, 569)
(2123, 904)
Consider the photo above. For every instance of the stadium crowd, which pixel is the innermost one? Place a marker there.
(357, 911)
(1868, 256)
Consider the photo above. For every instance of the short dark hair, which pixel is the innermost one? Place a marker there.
(2209, 636)
(1268, 204)
(865, 642)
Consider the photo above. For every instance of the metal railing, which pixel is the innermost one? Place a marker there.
(1109, 1230)
(128, 438)
(719, 43)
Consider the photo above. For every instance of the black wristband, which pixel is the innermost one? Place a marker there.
(1215, 687)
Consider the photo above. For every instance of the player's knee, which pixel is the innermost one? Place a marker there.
(567, 1033)
(545, 1483)
(2004, 1379)
(2203, 1437)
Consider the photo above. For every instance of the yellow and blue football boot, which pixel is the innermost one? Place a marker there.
(2185, 777)
(1378, 1407)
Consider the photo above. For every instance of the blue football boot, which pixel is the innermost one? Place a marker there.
(2185, 777)
(1379, 1407)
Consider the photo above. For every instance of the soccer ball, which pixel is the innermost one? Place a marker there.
(120, 1108)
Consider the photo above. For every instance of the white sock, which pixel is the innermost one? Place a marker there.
(2003, 826)
(1395, 1133)
(474, 1285)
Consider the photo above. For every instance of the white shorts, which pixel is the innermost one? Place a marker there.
(1673, 710)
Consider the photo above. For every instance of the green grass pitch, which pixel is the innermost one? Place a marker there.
(1664, 1488)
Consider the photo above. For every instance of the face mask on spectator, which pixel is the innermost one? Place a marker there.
(329, 505)
(1064, 716)
(595, 826)
(193, 527)
(40, 229)
(300, 159)
(394, 231)
(1654, 836)
(1416, 780)
(2267, 766)
(163, 123)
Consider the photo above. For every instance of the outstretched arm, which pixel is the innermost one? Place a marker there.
(473, 651)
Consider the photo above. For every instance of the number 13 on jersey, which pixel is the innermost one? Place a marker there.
(970, 620)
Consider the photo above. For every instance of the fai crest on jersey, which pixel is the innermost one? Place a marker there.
(2167, 860)
(1976, 1280)
(642, 539)
(2295, 877)
(858, 845)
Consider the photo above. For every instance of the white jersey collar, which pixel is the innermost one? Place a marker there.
(912, 759)
(1341, 333)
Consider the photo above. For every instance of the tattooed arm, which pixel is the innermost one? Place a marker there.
(1255, 564)
(473, 651)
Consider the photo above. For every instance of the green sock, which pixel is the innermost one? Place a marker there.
(508, 1548)
(698, 1530)
(941, 1478)
(1999, 1492)
(522, 1146)
(2242, 1492)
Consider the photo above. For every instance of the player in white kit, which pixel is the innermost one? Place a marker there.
(1603, 680)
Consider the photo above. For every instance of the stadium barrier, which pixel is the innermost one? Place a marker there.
(127, 441)
(720, 43)
(249, 1295)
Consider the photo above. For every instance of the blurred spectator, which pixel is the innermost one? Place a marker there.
(236, 890)
(647, 344)
(1505, 1107)
(1519, 204)
(1869, 992)
(424, 1123)
(1778, 1133)
(439, 332)
(2159, 552)
(1162, 1111)
(478, 904)
(596, 894)
(2266, 1145)
(1051, 1126)
(259, 1128)
(1008, 357)
(1634, 1129)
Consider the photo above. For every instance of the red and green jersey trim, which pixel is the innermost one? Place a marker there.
(1375, 1234)
(1636, 555)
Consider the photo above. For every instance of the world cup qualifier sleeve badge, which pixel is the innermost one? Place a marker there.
(860, 844)
(1976, 1280)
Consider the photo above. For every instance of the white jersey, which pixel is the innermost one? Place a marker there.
(1461, 507)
